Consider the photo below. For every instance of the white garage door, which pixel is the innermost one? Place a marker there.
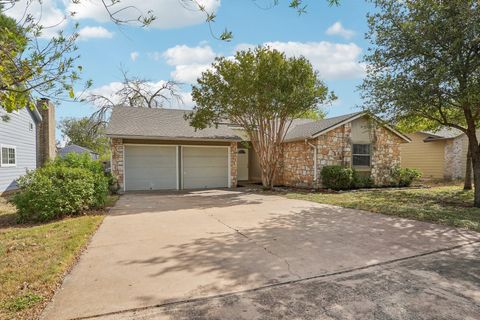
(150, 167)
(205, 167)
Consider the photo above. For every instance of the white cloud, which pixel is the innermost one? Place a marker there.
(168, 13)
(189, 62)
(46, 13)
(183, 55)
(86, 33)
(332, 60)
(188, 73)
(134, 55)
(337, 29)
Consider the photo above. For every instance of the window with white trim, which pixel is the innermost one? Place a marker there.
(8, 156)
(361, 155)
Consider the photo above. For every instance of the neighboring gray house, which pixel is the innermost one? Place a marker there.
(73, 148)
(27, 140)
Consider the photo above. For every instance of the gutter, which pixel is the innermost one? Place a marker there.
(314, 160)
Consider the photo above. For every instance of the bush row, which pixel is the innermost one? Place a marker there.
(341, 178)
(65, 186)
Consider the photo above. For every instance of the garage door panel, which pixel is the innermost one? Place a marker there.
(150, 167)
(205, 167)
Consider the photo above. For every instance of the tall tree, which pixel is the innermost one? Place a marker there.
(263, 91)
(425, 63)
(86, 134)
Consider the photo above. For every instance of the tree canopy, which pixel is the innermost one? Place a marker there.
(262, 91)
(86, 134)
(424, 66)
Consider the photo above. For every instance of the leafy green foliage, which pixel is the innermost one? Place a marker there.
(424, 66)
(337, 177)
(361, 180)
(84, 161)
(86, 133)
(262, 91)
(29, 68)
(66, 186)
(53, 192)
(404, 177)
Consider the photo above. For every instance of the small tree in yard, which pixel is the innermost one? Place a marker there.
(425, 63)
(263, 91)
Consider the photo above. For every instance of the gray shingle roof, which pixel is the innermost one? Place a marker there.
(162, 123)
(307, 130)
(443, 133)
(74, 148)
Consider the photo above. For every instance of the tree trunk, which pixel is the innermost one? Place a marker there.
(468, 171)
(475, 154)
(476, 180)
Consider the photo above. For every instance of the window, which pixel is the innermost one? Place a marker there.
(361, 155)
(9, 158)
(30, 126)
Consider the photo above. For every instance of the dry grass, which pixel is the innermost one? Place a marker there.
(34, 258)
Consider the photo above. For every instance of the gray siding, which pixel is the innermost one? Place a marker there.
(16, 132)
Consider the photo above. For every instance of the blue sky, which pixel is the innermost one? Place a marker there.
(179, 45)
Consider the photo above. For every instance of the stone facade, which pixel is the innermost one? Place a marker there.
(386, 155)
(233, 164)
(456, 157)
(335, 148)
(297, 165)
(118, 166)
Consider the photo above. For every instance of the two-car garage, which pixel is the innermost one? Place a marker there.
(170, 167)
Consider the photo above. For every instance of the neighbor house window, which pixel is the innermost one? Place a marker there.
(9, 157)
(361, 155)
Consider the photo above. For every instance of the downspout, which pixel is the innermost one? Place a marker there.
(314, 160)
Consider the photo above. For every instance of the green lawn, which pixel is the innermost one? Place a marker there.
(448, 205)
(34, 258)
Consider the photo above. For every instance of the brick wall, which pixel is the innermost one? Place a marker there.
(46, 145)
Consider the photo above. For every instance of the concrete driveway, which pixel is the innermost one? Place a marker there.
(202, 249)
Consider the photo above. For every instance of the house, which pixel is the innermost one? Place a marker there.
(27, 140)
(73, 148)
(155, 149)
(439, 155)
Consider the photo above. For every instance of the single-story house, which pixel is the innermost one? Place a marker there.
(155, 149)
(440, 155)
(73, 148)
(27, 140)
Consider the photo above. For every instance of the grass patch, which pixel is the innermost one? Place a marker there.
(448, 205)
(34, 258)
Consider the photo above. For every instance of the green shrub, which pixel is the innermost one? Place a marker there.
(84, 161)
(65, 186)
(337, 177)
(52, 192)
(404, 177)
(361, 181)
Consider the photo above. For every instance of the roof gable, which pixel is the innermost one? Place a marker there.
(320, 127)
